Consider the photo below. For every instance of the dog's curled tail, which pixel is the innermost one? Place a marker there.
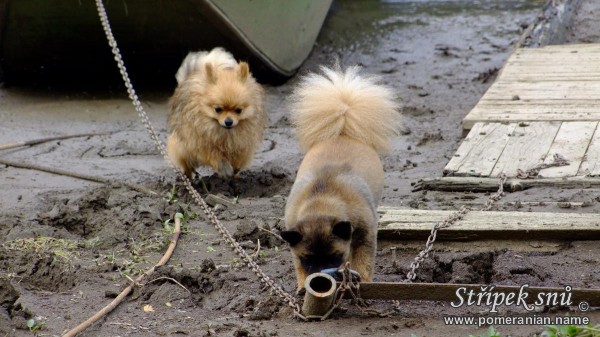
(344, 103)
(196, 61)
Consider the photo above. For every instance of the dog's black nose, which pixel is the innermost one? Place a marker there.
(228, 122)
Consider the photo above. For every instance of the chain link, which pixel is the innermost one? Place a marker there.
(557, 160)
(277, 289)
(453, 218)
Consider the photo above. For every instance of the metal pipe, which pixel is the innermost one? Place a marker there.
(320, 291)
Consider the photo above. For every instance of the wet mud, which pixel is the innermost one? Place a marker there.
(69, 246)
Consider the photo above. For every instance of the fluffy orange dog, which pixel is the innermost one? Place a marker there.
(216, 114)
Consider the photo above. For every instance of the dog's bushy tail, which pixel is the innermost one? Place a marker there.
(344, 103)
(196, 61)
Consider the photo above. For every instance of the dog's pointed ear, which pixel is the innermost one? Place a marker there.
(292, 237)
(343, 230)
(210, 73)
(244, 70)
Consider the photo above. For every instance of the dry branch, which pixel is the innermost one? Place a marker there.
(48, 139)
(112, 305)
(87, 177)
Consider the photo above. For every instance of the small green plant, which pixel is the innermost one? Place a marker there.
(92, 243)
(171, 197)
(571, 331)
(168, 226)
(34, 325)
(561, 331)
(491, 332)
(189, 214)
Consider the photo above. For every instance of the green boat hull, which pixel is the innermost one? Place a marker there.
(62, 42)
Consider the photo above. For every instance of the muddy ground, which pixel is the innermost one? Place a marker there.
(69, 245)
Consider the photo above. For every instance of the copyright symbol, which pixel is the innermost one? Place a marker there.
(584, 306)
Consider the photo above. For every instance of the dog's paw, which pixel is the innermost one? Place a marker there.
(300, 292)
(225, 169)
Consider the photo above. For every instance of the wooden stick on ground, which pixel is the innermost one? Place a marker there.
(48, 139)
(112, 305)
(96, 179)
(485, 184)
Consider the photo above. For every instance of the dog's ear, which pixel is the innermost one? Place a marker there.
(210, 73)
(244, 70)
(292, 237)
(342, 230)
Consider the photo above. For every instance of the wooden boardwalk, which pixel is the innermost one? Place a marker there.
(542, 110)
(545, 102)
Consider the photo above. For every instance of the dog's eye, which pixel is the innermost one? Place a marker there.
(218, 109)
(238, 110)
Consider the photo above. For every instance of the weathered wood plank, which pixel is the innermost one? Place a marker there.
(478, 153)
(511, 116)
(447, 292)
(558, 83)
(485, 184)
(542, 105)
(526, 148)
(580, 77)
(555, 90)
(571, 142)
(568, 47)
(591, 162)
(477, 225)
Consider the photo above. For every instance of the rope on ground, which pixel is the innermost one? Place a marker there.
(112, 305)
(48, 139)
(87, 177)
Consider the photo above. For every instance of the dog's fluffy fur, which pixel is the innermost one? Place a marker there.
(216, 114)
(344, 121)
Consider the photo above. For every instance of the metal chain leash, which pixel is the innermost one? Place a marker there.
(557, 160)
(277, 289)
(453, 218)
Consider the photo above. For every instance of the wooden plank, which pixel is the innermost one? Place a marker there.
(478, 153)
(409, 224)
(566, 47)
(446, 292)
(526, 148)
(555, 76)
(544, 91)
(591, 162)
(485, 184)
(571, 142)
(524, 111)
(542, 105)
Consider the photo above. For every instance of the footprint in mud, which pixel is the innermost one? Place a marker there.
(514, 269)
(458, 268)
(106, 214)
(47, 271)
(268, 181)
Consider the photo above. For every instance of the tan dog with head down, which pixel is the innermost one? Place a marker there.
(344, 121)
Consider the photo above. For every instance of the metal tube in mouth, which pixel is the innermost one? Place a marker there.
(320, 291)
